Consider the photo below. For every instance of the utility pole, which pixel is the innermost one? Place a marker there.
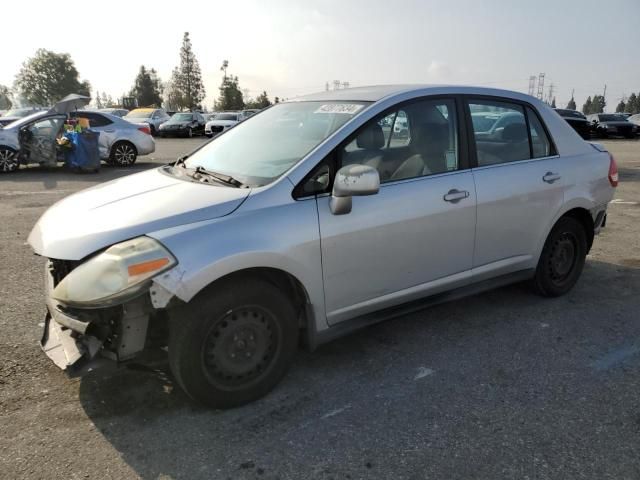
(604, 96)
(540, 94)
(326, 86)
(550, 97)
(532, 85)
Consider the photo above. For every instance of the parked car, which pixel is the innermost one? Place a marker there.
(154, 117)
(222, 121)
(625, 114)
(249, 112)
(577, 121)
(121, 142)
(635, 119)
(118, 112)
(305, 223)
(15, 114)
(611, 124)
(185, 124)
(32, 139)
(209, 116)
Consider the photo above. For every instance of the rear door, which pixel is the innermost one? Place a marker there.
(104, 126)
(519, 185)
(416, 236)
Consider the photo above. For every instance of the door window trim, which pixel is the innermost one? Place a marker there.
(471, 140)
(464, 151)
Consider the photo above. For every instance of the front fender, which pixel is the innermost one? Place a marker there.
(283, 237)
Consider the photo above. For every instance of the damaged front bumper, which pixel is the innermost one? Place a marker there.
(81, 340)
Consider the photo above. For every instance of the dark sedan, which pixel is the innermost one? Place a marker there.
(612, 124)
(577, 120)
(183, 125)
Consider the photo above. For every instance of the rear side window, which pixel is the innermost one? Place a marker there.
(540, 143)
(507, 132)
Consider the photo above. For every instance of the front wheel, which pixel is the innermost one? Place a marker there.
(123, 154)
(9, 161)
(189, 132)
(562, 258)
(232, 344)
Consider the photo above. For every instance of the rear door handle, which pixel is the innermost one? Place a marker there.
(455, 195)
(550, 177)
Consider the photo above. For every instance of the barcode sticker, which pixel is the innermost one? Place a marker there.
(348, 108)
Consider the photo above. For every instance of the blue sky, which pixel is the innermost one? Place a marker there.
(292, 47)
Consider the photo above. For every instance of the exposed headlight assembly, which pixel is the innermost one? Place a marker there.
(115, 275)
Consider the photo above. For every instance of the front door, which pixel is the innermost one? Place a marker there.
(416, 236)
(38, 140)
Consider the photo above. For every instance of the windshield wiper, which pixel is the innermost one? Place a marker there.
(221, 177)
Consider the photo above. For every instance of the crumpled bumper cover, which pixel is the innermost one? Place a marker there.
(76, 356)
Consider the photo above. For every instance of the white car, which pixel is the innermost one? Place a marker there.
(222, 121)
(33, 139)
(154, 117)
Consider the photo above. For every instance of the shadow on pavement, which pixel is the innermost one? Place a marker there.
(490, 370)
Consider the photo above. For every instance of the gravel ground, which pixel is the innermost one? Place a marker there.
(501, 385)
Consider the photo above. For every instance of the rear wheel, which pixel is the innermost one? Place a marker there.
(123, 154)
(9, 161)
(189, 132)
(232, 345)
(562, 258)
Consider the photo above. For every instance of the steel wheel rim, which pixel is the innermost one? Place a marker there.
(563, 258)
(124, 154)
(8, 160)
(240, 347)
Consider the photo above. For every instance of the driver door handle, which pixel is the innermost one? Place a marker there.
(455, 195)
(550, 177)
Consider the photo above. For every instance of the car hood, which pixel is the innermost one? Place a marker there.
(221, 123)
(616, 123)
(135, 205)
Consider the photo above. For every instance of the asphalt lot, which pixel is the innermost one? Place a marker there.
(501, 385)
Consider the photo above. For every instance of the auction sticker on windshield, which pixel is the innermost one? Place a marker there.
(349, 108)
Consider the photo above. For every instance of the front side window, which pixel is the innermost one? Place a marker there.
(261, 149)
(417, 140)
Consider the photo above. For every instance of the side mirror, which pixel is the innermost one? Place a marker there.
(352, 180)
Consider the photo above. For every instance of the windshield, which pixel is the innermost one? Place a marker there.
(611, 118)
(19, 112)
(227, 116)
(262, 148)
(140, 114)
(23, 121)
(181, 117)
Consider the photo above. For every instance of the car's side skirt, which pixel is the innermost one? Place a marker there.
(343, 328)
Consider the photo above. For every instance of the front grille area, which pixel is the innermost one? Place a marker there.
(216, 129)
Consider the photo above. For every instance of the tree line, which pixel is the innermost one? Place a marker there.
(48, 76)
(630, 104)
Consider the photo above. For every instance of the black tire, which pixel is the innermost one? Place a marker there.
(9, 161)
(123, 154)
(153, 130)
(189, 132)
(562, 258)
(232, 344)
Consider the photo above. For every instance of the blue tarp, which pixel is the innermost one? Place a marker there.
(84, 154)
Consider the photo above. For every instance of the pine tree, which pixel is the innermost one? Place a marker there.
(146, 88)
(621, 106)
(231, 97)
(598, 104)
(633, 103)
(572, 104)
(186, 87)
(553, 102)
(98, 101)
(587, 107)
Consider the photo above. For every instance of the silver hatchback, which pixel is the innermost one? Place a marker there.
(311, 219)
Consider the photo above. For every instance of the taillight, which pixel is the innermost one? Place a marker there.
(613, 171)
(146, 130)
